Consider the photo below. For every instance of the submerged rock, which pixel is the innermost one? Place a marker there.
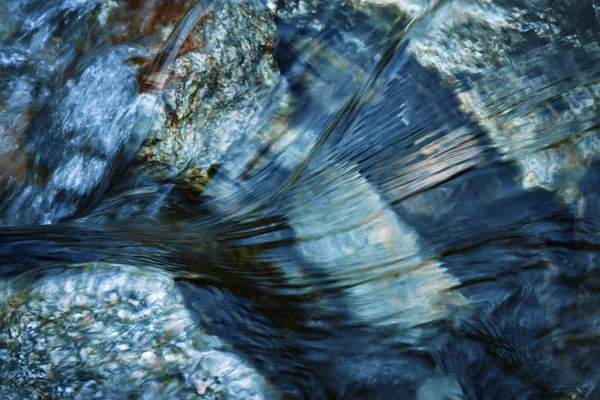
(90, 125)
(112, 331)
(438, 388)
(221, 87)
(528, 75)
(327, 52)
(15, 114)
(330, 49)
(70, 113)
(8, 25)
(350, 232)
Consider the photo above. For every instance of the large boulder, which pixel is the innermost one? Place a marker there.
(112, 331)
(221, 87)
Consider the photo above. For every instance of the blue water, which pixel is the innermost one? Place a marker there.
(426, 227)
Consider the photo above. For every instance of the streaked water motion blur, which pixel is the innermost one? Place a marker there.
(266, 199)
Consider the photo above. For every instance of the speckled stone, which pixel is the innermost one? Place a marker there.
(111, 331)
(222, 87)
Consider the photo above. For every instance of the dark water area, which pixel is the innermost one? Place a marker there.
(303, 199)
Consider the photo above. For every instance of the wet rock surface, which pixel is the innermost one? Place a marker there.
(418, 287)
(329, 50)
(57, 94)
(528, 76)
(105, 331)
(219, 91)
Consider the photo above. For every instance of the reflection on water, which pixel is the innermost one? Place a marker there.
(304, 199)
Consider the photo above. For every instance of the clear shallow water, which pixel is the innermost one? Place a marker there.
(404, 206)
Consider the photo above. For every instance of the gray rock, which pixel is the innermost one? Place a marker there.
(109, 331)
(349, 231)
(527, 72)
(219, 92)
(69, 110)
(76, 141)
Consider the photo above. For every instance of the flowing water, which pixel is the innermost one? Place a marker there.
(299, 199)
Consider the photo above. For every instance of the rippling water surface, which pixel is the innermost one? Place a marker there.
(299, 199)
